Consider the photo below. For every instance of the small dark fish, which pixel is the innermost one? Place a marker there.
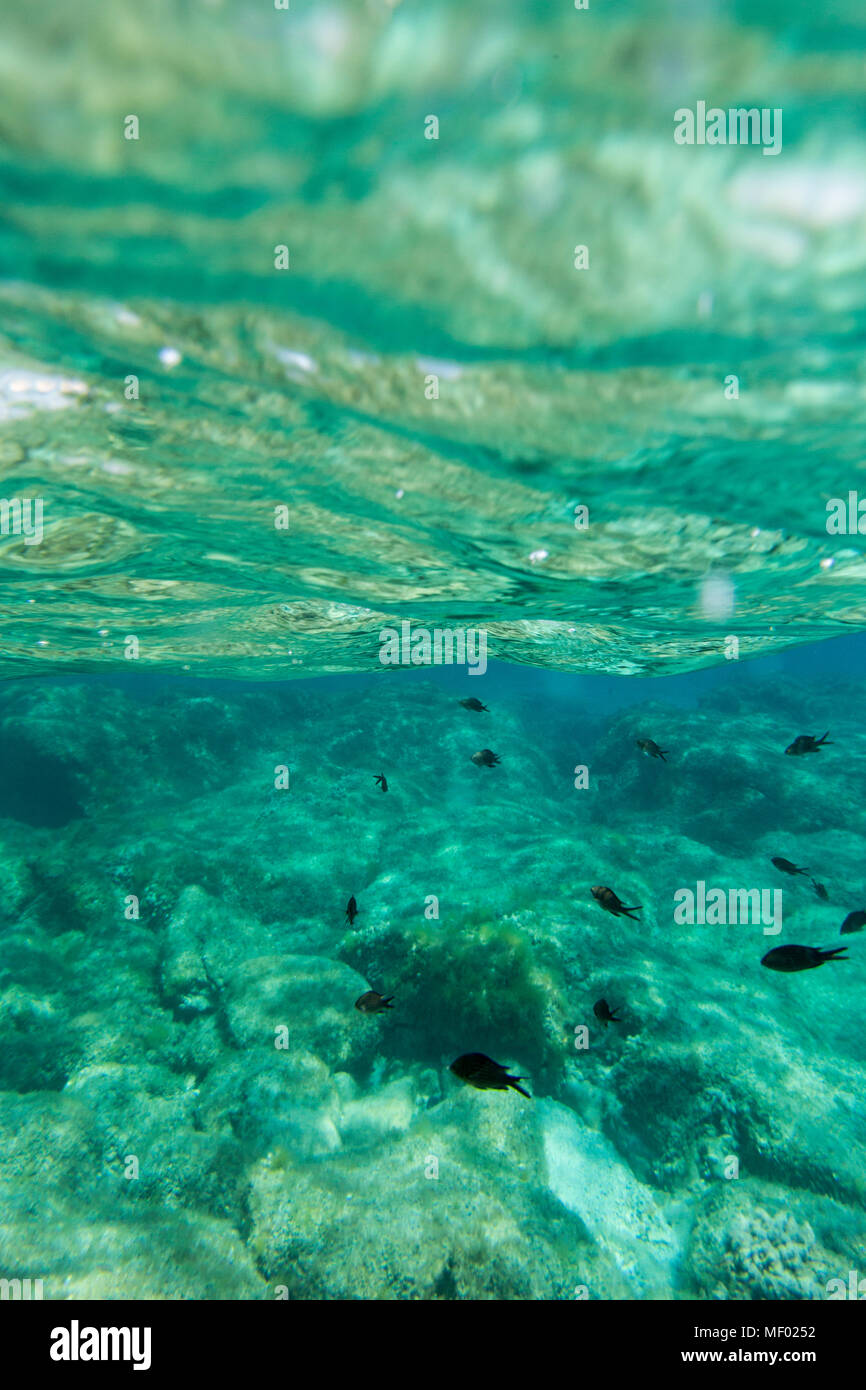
(855, 921)
(472, 703)
(821, 891)
(373, 1003)
(791, 958)
(607, 899)
(351, 910)
(806, 743)
(485, 1074)
(485, 758)
(787, 867)
(605, 1013)
(381, 781)
(649, 746)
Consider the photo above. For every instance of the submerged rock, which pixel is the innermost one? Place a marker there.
(747, 1248)
(625, 1217)
(458, 1207)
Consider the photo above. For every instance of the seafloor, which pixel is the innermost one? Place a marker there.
(157, 1142)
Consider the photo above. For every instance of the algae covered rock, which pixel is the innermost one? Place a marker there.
(488, 984)
(458, 1207)
(70, 1219)
(309, 998)
(278, 1097)
(660, 1107)
(37, 1047)
(186, 985)
(625, 1217)
(747, 1248)
(94, 1251)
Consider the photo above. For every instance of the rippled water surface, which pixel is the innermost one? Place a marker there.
(311, 388)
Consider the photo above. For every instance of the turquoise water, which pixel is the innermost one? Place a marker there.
(192, 1106)
(289, 389)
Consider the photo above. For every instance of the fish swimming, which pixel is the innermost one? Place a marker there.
(381, 781)
(605, 1013)
(373, 1003)
(806, 743)
(485, 758)
(791, 958)
(787, 867)
(472, 703)
(855, 921)
(607, 899)
(351, 909)
(485, 1074)
(821, 891)
(651, 748)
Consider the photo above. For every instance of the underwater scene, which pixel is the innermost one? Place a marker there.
(432, 650)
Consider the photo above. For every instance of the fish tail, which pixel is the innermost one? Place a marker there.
(662, 754)
(629, 910)
(386, 1003)
(513, 1083)
(823, 738)
(838, 953)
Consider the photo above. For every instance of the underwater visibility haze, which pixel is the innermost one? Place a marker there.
(432, 650)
